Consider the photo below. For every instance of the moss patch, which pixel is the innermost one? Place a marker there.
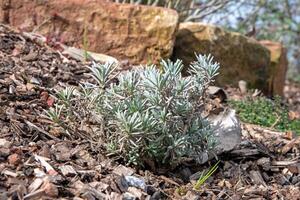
(266, 112)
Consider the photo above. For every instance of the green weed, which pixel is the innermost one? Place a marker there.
(205, 176)
(85, 41)
(266, 112)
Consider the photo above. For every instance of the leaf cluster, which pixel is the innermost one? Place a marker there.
(149, 116)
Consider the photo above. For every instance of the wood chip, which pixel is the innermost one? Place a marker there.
(33, 126)
(123, 171)
(36, 184)
(9, 173)
(168, 180)
(286, 148)
(68, 170)
(257, 178)
(284, 163)
(45, 164)
(295, 169)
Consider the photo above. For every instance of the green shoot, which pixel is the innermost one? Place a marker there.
(54, 114)
(205, 176)
(85, 42)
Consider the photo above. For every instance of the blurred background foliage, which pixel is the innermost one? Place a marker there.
(276, 20)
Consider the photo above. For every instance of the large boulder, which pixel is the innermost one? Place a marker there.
(278, 67)
(138, 34)
(240, 57)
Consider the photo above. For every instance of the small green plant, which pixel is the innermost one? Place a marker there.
(85, 41)
(55, 113)
(181, 191)
(205, 175)
(149, 115)
(293, 76)
(266, 112)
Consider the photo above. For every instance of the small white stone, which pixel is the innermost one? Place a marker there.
(4, 143)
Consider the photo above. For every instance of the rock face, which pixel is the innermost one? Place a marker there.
(278, 67)
(241, 58)
(139, 34)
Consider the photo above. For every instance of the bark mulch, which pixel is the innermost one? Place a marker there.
(39, 163)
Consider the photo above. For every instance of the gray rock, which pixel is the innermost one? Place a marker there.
(227, 131)
(128, 196)
(156, 196)
(135, 182)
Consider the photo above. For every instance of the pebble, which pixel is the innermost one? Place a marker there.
(135, 182)
(50, 189)
(4, 143)
(14, 159)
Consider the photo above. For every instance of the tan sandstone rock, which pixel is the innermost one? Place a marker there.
(240, 57)
(139, 34)
(278, 67)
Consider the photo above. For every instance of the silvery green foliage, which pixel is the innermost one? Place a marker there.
(151, 114)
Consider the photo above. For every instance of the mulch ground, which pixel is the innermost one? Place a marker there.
(39, 163)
